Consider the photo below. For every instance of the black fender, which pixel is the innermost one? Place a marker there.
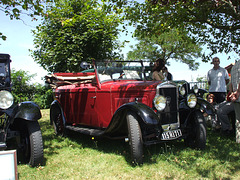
(186, 113)
(201, 104)
(28, 111)
(206, 106)
(56, 104)
(147, 117)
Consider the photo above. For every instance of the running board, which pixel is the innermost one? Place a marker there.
(87, 131)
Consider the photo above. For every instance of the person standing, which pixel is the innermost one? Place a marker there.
(157, 74)
(218, 79)
(234, 96)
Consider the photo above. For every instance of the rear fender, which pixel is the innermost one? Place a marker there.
(28, 111)
(147, 117)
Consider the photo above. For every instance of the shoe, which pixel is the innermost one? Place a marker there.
(216, 128)
(227, 132)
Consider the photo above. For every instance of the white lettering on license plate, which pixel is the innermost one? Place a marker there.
(171, 134)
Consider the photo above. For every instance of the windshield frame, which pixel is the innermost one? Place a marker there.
(122, 70)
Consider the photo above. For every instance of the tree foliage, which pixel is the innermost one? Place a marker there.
(172, 45)
(216, 23)
(75, 31)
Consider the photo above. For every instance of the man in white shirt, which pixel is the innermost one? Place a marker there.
(218, 79)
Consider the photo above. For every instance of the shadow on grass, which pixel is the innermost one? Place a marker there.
(219, 149)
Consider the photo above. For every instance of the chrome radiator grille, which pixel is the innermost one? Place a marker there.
(170, 113)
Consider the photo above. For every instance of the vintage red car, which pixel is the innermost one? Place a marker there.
(119, 100)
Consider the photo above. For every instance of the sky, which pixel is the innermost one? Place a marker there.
(20, 40)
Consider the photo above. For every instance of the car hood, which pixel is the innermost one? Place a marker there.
(130, 85)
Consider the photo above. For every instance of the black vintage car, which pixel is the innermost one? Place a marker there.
(119, 100)
(19, 127)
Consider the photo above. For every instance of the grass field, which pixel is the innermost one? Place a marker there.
(82, 157)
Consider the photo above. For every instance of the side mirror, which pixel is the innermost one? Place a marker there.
(85, 65)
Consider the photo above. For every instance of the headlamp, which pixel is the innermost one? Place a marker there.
(6, 99)
(159, 102)
(182, 90)
(195, 89)
(191, 100)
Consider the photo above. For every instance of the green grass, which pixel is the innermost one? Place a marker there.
(82, 157)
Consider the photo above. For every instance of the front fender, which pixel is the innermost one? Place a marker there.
(28, 110)
(201, 103)
(147, 117)
(206, 106)
(56, 104)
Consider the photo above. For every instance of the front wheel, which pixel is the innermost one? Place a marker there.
(57, 120)
(135, 138)
(197, 134)
(31, 143)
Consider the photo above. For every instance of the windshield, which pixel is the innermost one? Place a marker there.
(123, 71)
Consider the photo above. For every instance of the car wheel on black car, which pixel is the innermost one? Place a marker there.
(57, 121)
(135, 138)
(31, 146)
(197, 132)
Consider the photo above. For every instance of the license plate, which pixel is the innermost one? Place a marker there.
(171, 134)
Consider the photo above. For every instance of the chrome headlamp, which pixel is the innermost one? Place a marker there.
(192, 100)
(6, 99)
(159, 102)
(195, 89)
(182, 90)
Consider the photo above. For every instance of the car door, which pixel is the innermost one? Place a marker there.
(82, 106)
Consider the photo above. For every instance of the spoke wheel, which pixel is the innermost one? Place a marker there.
(57, 122)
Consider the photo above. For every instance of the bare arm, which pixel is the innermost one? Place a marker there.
(157, 76)
(235, 95)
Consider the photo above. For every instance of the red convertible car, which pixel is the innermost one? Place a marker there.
(119, 100)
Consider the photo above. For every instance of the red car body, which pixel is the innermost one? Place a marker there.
(86, 104)
(121, 101)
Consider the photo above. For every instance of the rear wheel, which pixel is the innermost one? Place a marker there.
(135, 139)
(31, 145)
(197, 132)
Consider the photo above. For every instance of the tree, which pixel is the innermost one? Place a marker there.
(75, 31)
(213, 22)
(14, 9)
(169, 45)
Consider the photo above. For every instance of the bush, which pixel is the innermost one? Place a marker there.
(23, 90)
(43, 97)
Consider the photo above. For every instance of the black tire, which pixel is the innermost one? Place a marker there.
(32, 143)
(57, 121)
(198, 134)
(135, 139)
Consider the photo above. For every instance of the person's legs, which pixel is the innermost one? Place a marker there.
(219, 96)
(237, 113)
(222, 113)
